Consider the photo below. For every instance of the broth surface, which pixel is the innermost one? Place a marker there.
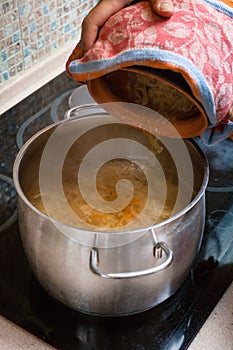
(141, 210)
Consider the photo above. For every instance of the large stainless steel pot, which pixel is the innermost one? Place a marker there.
(107, 273)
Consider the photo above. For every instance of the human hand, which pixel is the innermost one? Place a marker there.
(105, 9)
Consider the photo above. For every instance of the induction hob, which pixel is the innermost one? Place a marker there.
(172, 324)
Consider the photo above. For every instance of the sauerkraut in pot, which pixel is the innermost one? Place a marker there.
(153, 180)
(157, 210)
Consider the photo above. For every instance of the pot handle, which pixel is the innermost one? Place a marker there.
(157, 249)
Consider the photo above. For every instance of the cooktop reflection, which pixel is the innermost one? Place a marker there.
(171, 325)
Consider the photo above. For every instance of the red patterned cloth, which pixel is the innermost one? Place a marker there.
(197, 42)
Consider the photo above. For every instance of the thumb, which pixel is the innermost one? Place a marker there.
(163, 8)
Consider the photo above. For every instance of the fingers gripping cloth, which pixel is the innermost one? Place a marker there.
(192, 52)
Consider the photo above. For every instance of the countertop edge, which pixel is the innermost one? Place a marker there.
(13, 337)
(216, 333)
(33, 78)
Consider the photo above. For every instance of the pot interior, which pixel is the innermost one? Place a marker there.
(97, 173)
(163, 91)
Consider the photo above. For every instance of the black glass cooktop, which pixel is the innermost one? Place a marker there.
(170, 326)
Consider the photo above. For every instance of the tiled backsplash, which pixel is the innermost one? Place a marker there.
(32, 29)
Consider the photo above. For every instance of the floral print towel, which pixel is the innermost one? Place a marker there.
(197, 41)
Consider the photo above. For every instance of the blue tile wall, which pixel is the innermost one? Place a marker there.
(31, 29)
